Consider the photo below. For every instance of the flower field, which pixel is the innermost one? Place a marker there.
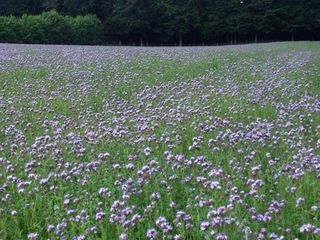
(160, 143)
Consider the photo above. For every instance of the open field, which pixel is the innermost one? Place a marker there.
(160, 143)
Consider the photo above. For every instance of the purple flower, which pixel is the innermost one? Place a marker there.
(152, 233)
(123, 236)
(100, 215)
(204, 226)
(81, 237)
(104, 192)
(221, 236)
(306, 228)
(300, 201)
(33, 236)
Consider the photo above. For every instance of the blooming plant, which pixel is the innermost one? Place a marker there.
(160, 143)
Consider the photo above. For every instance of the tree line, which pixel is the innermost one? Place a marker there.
(51, 28)
(162, 22)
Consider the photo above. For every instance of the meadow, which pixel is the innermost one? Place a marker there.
(160, 143)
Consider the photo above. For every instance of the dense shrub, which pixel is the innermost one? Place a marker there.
(9, 29)
(52, 28)
(87, 30)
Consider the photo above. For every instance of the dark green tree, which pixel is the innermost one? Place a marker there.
(161, 21)
(132, 19)
(180, 18)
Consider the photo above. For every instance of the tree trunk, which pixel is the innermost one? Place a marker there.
(256, 38)
(292, 36)
(141, 42)
(180, 40)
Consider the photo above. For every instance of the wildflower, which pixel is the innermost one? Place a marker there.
(152, 233)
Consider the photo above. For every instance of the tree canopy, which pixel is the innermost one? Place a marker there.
(177, 22)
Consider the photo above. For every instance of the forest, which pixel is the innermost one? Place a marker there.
(158, 22)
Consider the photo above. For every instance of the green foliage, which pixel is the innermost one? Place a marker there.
(87, 30)
(180, 17)
(51, 28)
(32, 29)
(9, 29)
(160, 21)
